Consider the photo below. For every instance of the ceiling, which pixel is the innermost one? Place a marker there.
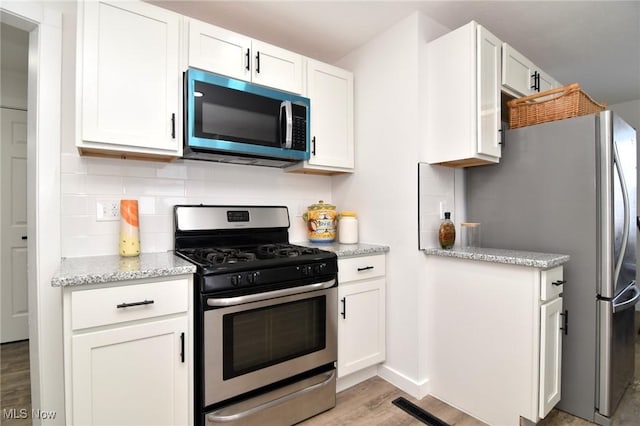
(594, 43)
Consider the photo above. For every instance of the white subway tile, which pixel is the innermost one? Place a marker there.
(73, 204)
(99, 184)
(172, 171)
(136, 187)
(71, 183)
(73, 163)
(146, 205)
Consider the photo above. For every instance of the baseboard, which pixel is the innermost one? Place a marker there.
(408, 385)
(354, 378)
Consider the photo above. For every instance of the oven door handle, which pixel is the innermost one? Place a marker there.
(221, 416)
(231, 301)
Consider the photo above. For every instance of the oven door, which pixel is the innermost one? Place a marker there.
(259, 339)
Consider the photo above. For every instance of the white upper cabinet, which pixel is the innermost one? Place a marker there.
(330, 90)
(128, 79)
(520, 77)
(215, 49)
(224, 52)
(463, 98)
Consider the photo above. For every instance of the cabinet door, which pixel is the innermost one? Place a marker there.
(488, 86)
(550, 355)
(133, 375)
(130, 75)
(546, 82)
(330, 90)
(218, 50)
(517, 71)
(361, 325)
(276, 67)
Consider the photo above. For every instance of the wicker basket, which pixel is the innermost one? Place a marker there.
(556, 104)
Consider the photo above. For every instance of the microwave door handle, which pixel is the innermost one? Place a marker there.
(286, 136)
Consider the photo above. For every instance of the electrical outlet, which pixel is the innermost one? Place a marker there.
(107, 210)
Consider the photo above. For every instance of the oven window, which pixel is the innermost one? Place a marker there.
(263, 337)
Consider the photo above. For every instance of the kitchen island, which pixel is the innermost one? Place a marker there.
(495, 323)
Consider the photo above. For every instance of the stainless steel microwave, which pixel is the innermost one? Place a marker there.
(235, 121)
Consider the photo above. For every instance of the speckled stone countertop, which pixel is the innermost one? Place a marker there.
(348, 250)
(511, 257)
(76, 271)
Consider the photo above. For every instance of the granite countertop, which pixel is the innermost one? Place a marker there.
(511, 257)
(348, 250)
(76, 271)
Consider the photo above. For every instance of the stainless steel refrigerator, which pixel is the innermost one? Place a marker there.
(569, 187)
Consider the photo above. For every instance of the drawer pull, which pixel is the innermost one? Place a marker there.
(559, 282)
(365, 268)
(128, 305)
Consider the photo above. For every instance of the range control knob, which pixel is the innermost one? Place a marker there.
(235, 280)
(306, 270)
(253, 278)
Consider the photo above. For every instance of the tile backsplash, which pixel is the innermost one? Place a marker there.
(160, 186)
(436, 187)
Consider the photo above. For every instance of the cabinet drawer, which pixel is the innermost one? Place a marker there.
(112, 305)
(549, 290)
(359, 268)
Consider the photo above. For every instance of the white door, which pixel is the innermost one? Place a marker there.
(131, 375)
(331, 92)
(361, 332)
(131, 80)
(220, 51)
(13, 231)
(488, 84)
(276, 67)
(550, 355)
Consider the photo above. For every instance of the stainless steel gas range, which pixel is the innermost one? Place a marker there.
(266, 316)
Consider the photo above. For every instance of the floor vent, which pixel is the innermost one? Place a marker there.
(417, 412)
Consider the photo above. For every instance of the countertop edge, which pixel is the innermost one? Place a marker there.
(348, 250)
(80, 271)
(503, 256)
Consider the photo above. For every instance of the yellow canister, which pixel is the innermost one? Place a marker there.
(321, 221)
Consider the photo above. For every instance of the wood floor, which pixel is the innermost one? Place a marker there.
(15, 383)
(368, 403)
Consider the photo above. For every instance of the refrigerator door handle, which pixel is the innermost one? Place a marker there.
(627, 219)
(627, 303)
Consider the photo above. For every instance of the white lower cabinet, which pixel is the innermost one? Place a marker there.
(496, 338)
(361, 321)
(128, 353)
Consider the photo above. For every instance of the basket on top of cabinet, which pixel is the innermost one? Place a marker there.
(555, 104)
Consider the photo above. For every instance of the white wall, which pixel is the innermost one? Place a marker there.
(630, 111)
(158, 186)
(384, 189)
